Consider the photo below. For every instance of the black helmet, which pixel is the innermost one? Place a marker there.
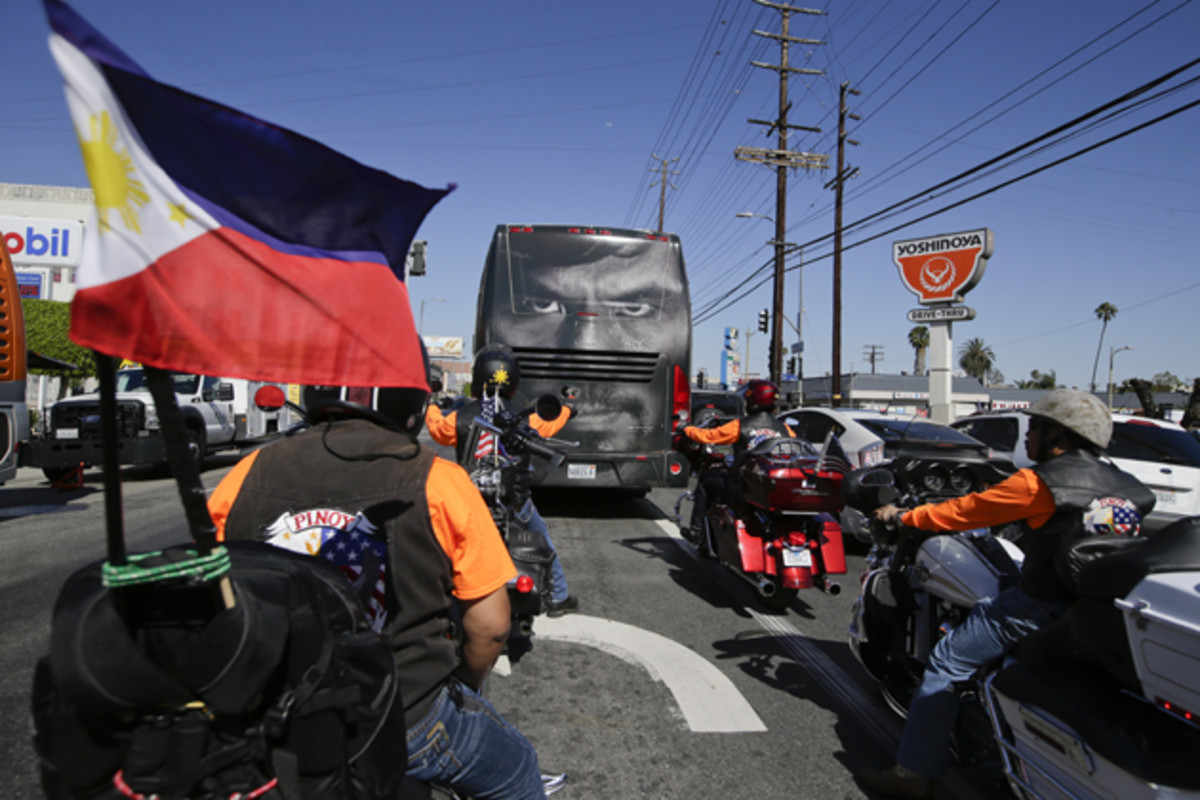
(495, 370)
(396, 408)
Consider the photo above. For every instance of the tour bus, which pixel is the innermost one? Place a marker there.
(14, 418)
(600, 318)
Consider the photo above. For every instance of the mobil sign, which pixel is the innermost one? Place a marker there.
(43, 242)
(942, 268)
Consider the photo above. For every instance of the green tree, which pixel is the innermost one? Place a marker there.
(47, 324)
(1104, 312)
(1167, 382)
(918, 337)
(1039, 380)
(977, 359)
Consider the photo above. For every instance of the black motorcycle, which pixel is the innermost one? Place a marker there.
(499, 477)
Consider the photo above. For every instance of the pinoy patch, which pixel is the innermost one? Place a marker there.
(350, 541)
(1112, 515)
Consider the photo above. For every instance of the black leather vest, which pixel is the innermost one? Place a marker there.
(383, 474)
(757, 427)
(1077, 480)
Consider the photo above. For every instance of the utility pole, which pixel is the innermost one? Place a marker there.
(662, 184)
(873, 353)
(782, 158)
(839, 181)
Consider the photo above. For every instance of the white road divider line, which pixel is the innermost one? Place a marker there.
(709, 701)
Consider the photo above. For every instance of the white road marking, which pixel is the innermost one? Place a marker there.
(709, 701)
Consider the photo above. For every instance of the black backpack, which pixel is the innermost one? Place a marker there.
(160, 690)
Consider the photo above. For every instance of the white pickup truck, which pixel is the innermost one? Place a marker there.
(219, 414)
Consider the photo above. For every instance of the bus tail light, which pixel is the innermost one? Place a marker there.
(681, 398)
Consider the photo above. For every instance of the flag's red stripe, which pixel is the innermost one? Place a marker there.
(227, 304)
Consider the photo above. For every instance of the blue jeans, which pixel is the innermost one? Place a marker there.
(464, 744)
(989, 631)
(527, 517)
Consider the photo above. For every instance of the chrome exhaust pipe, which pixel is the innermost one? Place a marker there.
(765, 587)
(829, 586)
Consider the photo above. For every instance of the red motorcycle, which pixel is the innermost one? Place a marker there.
(775, 525)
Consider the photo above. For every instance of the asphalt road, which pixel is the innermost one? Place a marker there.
(671, 681)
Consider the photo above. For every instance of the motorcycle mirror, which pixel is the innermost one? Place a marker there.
(548, 407)
(269, 398)
(436, 386)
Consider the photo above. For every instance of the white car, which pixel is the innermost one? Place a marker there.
(869, 437)
(1157, 452)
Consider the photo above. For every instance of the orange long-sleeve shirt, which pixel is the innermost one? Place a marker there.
(725, 434)
(1022, 496)
(443, 429)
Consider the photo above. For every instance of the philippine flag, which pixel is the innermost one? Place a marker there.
(225, 245)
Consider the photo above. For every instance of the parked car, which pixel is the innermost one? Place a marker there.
(1157, 452)
(870, 437)
(707, 402)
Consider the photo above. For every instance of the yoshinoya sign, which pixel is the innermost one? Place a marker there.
(941, 314)
(942, 268)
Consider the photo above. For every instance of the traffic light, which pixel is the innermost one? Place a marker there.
(762, 321)
(791, 365)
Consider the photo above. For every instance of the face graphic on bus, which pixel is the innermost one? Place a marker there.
(624, 296)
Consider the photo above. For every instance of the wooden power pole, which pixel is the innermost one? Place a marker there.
(782, 158)
(662, 184)
(839, 181)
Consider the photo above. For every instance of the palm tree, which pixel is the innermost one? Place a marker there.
(1104, 313)
(918, 337)
(977, 359)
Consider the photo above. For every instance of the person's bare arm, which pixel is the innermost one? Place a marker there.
(485, 629)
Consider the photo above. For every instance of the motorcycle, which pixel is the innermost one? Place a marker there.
(775, 527)
(1101, 703)
(496, 476)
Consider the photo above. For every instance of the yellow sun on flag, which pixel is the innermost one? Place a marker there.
(500, 377)
(111, 172)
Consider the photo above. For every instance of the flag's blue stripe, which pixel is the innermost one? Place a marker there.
(284, 184)
(228, 220)
(76, 30)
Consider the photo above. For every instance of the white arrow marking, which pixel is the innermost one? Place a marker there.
(709, 701)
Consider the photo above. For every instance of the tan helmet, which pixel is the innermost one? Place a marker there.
(1078, 411)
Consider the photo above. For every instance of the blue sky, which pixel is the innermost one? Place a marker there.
(550, 112)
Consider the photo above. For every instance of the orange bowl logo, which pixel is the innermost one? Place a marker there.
(941, 269)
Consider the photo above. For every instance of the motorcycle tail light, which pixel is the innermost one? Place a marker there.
(524, 584)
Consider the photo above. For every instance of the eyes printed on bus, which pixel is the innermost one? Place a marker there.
(606, 308)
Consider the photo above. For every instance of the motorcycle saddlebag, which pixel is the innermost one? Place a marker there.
(160, 690)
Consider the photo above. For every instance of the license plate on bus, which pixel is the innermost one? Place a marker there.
(66, 433)
(581, 472)
(797, 557)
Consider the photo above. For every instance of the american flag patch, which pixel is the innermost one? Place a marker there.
(487, 440)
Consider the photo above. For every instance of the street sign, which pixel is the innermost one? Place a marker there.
(941, 314)
(941, 269)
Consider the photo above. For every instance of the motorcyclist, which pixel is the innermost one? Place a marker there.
(759, 398)
(1069, 493)
(357, 488)
(495, 375)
